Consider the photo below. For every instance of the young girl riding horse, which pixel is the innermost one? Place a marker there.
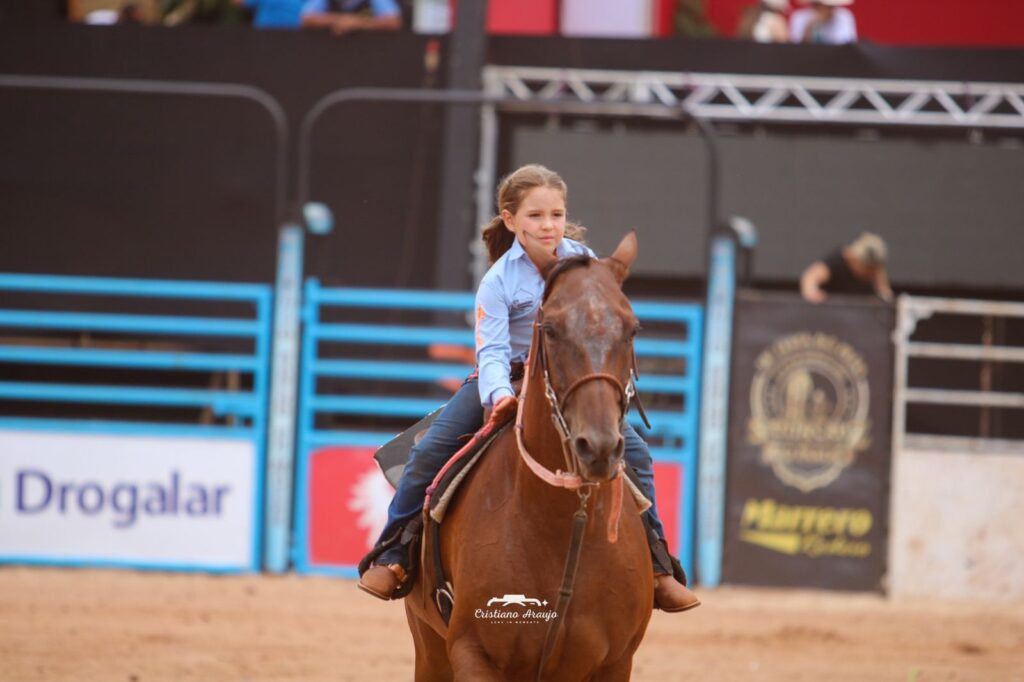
(527, 235)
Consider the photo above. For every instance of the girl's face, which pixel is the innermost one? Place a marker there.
(539, 224)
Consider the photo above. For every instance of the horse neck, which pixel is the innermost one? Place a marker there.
(539, 434)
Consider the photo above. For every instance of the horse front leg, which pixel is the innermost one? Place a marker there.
(432, 664)
(471, 663)
(619, 671)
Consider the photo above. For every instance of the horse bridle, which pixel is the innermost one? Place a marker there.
(627, 394)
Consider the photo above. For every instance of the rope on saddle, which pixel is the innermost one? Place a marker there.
(480, 440)
(445, 486)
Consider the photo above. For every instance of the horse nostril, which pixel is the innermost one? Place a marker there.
(589, 450)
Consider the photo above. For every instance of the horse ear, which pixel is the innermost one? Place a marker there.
(622, 259)
(547, 266)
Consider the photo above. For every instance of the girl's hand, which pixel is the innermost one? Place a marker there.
(503, 410)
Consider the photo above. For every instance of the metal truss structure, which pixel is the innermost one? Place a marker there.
(732, 98)
(781, 99)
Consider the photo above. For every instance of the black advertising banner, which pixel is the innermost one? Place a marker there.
(809, 442)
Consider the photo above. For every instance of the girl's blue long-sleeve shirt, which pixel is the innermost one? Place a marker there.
(506, 307)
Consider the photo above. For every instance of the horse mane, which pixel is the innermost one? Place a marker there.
(560, 266)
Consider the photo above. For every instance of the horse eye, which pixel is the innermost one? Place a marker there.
(550, 332)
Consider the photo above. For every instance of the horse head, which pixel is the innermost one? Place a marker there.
(585, 335)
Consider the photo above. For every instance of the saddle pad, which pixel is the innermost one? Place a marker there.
(443, 490)
(393, 455)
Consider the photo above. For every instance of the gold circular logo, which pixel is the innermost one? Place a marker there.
(809, 408)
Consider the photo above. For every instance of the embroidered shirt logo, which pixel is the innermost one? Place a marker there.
(480, 315)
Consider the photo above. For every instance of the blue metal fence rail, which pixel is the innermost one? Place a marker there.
(674, 429)
(246, 408)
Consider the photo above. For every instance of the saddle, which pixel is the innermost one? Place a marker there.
(440, 493)
(438, 496)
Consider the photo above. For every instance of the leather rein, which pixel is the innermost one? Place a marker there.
(570, 479)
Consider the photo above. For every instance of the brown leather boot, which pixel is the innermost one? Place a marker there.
(672, 596)
(382, 581)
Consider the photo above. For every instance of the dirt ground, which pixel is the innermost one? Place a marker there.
(125, 626)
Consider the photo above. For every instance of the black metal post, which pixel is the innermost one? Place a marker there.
(466, 47)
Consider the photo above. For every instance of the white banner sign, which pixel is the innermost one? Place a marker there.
(607, 18)
(139, 500)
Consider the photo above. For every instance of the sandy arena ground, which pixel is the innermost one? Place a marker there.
(125, 626)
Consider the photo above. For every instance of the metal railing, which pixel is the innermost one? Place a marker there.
(401, 388)
(910, 311)
(52, 348)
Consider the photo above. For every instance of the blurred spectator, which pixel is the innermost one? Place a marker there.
(858, 268)
(177, 12)
(764, 22)
(131, 13)
(825, 21)
(345, 16)
(691, 19)
(274, 13)
(101, 17)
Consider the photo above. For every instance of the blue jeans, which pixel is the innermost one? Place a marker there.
(463, 415)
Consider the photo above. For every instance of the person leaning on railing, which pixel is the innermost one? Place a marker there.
(857, 268)
(346, 16)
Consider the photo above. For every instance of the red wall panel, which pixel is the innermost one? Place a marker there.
(348, 502)
(531, 17)
(668, 483)
(664, 17)
(349, 499)
(913, 22)
(942, 22)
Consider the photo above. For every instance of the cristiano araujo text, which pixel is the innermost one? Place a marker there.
(516, 608)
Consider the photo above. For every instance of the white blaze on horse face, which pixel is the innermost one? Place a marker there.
(603, 327)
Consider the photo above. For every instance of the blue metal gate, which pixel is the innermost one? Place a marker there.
(367, 373)
(98, 450)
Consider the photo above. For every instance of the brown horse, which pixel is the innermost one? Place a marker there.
(506, 536)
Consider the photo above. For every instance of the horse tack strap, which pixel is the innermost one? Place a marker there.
(474, 446)
(616, 511)
(635, 397)
(632, 394)
(595, 376)
(566, 479)
(572, 562)
(558, 479)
